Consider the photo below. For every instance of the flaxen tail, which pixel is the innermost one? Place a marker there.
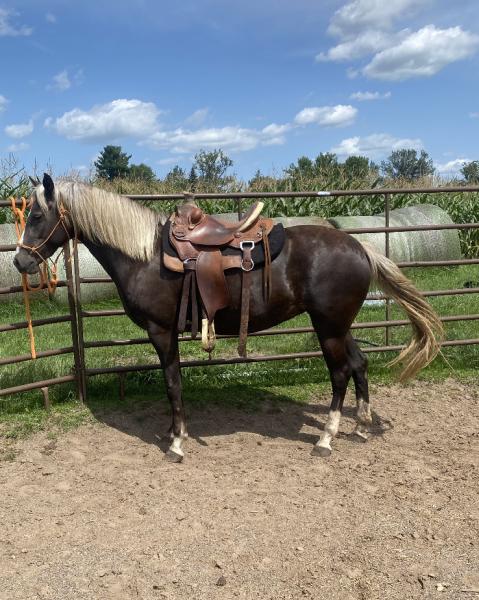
(427, 328)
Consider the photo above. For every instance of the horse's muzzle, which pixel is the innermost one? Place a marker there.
(25, 263)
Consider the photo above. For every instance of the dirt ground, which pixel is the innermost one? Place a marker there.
(99, 514)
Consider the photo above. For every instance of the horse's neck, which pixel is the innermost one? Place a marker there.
(115, 263)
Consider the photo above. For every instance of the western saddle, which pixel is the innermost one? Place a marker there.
(198, 240)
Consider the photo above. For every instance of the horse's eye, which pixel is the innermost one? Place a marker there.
(36, 217)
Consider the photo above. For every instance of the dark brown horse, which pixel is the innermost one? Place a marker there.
(321, 271)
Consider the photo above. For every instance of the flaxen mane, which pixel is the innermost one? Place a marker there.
(108, 218)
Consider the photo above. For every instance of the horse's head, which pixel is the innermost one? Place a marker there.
(46, 228)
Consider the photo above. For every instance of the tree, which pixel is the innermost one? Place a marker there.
(303, 169)
(176, 178)
(326, 163)
(357, 166)
(470, 172)
(141, 172)
(112, 163)
(193, 179)
(406, 164)
(211, 166)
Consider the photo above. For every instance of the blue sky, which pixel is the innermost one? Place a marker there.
(267, 81)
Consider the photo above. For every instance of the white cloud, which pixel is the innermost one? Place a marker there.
(360, 15)
(3, 103)
(365, 96)
(452, 166)
(197, 118)
(374, 146)
(50, 18)
(335, 116)
(19, 130)
(64, 81)
(18, 147)
(107, 122)
(61, 81)
(7, 28)
(233, 138)
(136, 119)
(422, 53)
(474, 115)
(366, 27)
(363, 44)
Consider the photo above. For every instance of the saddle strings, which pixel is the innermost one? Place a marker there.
(267, 265)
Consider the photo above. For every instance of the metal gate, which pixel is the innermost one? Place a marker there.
(74, 281)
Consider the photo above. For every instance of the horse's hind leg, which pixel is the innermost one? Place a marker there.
(166, 346)
(337, 360)
(359, 366)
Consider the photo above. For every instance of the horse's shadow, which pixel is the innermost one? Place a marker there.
(272, 416)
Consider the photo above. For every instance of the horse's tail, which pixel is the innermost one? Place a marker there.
(427, 327)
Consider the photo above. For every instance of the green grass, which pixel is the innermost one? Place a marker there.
(249, 385)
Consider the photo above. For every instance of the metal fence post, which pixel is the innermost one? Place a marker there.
(238, 208)
(387, 209)
(79, 313)
(77, 354)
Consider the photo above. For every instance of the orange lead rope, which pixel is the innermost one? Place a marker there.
(19, 214)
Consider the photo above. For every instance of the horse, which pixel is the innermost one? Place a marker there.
(321, 271)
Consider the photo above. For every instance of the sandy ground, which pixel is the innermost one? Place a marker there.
(98, 513)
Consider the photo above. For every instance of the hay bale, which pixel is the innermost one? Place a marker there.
(409, 245)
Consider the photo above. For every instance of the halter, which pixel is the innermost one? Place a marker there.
(51, 282)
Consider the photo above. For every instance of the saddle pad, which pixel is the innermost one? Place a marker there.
(276, 242)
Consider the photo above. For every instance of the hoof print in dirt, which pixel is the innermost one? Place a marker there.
(320, 451)
(173, 457)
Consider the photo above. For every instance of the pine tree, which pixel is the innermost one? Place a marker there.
(112, 163)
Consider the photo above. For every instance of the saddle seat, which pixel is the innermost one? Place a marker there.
(193, 225)
(198, 239)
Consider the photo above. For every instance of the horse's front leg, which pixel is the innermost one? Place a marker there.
(166, 346)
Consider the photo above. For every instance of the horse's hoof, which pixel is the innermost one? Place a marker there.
(320, 451)
(173, 457)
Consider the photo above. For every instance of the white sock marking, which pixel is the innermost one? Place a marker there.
(363, 413)
(330, 429)
(178, 441)
(176, 446)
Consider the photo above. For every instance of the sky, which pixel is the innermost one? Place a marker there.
(266, 81)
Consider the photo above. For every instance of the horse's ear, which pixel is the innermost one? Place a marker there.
(34, 181)
(49, 188)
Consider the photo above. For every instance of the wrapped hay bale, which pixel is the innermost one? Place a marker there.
(409, 245)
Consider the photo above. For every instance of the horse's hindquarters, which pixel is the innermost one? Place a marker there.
(321, 271)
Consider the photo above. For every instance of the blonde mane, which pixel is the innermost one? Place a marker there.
(107, 218)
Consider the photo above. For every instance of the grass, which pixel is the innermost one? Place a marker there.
(248, 385)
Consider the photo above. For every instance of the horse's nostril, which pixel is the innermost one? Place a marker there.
(25, 264)
(16, 263)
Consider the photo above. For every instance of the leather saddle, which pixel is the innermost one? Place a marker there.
(198, 240)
